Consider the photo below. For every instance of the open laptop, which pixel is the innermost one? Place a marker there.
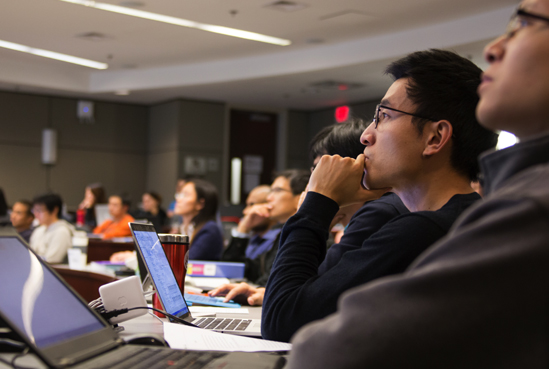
(63, 331)
(101, 213)
(172, 299)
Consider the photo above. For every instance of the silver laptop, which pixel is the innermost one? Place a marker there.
(62, 331)
(172, 299)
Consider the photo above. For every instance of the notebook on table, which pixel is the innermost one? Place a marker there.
(159, 270)
(60, 328)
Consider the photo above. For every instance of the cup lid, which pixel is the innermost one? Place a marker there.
(173, 238)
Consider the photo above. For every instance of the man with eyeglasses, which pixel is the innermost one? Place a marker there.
(282, 202)
(478, 298)
(254, 235)
(423, 143)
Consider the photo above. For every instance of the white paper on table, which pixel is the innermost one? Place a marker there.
(190, 338)
(216, 310)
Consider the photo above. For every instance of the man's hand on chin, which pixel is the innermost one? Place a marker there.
(341, 180)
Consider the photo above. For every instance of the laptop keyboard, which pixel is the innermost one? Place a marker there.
(139, 357)
(225, 324)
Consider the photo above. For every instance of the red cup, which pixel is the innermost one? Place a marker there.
(176, 247)
(80, 217)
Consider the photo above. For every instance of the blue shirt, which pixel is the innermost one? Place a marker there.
(261, 244)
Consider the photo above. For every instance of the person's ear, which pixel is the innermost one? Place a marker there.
(437, 136)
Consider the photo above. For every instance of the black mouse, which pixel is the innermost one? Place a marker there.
(147, 340)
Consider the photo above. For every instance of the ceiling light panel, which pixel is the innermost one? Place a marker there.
(53, 55)
(183, 22)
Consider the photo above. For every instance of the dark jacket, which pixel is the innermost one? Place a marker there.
(477, 299)
(207, 244)
(296, 294)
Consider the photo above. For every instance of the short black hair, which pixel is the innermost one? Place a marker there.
(28, 205)
(298, 179)
(341, 139)
(124, 198)
(443, 86)
(50, 201)
(155, 196)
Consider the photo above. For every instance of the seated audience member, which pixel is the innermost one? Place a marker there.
(152, 211)
(478, 298)
(94, 194)
(118, 225)
(253, 236)
(197, 204)
(282, 203)
(178, 187)
(423, 143)
(53, 237)
(338, 139)
(21, 218)
(343, 139)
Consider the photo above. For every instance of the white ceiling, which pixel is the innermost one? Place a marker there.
(345, 41)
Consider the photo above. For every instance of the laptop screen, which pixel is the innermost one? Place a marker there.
(35, 301)
(159, 269)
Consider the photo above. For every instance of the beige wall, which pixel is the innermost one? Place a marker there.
(131, 148)
(111, 151)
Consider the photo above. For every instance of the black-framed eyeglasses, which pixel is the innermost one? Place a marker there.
(277, 190)
(378, 119)
(518, 17)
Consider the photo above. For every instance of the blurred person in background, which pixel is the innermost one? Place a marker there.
(21, 218)
(53, 237)
(151, 210)
(197, 204)
(118, 225)
(282, 203)
(94, 194)
(253, 236)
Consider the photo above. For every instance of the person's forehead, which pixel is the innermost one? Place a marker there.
(115, 200)
(256, 197)
(396, 96)
(40, 208)
(189, 187)
(19, 207)
(540, 6)
(281, 182)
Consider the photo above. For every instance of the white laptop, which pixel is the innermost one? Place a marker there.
(159, 269)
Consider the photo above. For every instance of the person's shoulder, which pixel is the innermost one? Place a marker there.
(529, 183)
(388, 203)
(128, 218)
(210, 227)
(461, 201)
(39, 230)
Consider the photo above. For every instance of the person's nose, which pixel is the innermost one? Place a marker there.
(368, 136)
(495, 50)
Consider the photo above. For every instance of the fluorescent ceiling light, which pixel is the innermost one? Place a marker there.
(53, 55)
(182, 22)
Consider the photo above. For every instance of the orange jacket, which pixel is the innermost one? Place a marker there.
(111, 229)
